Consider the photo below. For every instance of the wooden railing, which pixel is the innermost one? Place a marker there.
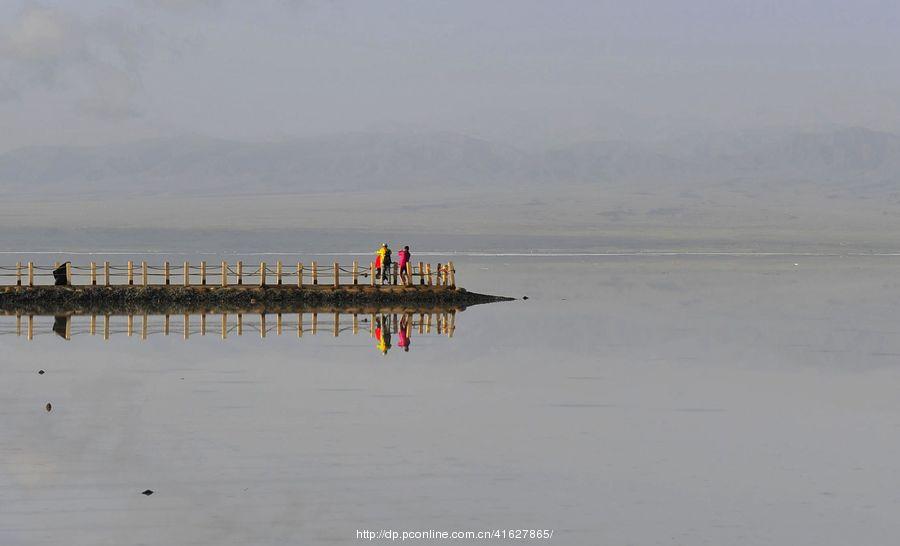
(223, 274)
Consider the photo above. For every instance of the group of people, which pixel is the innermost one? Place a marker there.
(384, 261)
(383, 333)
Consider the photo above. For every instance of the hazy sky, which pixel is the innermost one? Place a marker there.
(521, 71)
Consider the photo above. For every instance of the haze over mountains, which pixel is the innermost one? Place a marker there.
(845, 159)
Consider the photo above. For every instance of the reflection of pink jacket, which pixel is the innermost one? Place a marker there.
(402, 258)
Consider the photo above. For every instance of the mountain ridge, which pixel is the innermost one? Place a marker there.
(444, 160)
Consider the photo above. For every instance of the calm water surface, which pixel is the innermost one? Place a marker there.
(630, 400)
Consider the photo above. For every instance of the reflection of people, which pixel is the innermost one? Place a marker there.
(382, 335)
(403, 334)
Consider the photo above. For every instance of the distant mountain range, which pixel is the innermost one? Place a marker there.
(359, 161)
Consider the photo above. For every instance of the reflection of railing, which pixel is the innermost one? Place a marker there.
(223, 274)
(225, 324)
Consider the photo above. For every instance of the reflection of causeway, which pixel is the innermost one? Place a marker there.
(385, 326)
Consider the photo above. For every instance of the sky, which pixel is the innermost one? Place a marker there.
(523, 72)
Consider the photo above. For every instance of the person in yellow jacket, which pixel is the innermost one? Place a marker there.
(379, 257)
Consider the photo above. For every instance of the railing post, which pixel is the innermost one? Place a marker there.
(299, 275)
(315, 273)
(355, 271)
(224, 271)
(130, 272)
(203, 273)
(187, 274)
(337, 278)
(278, 272)
(106, 273)
(166, 272)
(144, 273)
(93, 274)
(262, 277)
(240, 272)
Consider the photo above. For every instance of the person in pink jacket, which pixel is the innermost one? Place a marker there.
(403, 259)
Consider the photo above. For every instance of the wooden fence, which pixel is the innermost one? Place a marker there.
(223, 274)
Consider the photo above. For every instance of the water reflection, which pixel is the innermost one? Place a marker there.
(385, 326)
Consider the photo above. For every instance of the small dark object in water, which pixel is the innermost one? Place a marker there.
(60, 275)
(524, 297)
(147, 492)
(48, 407)
(40, 372)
